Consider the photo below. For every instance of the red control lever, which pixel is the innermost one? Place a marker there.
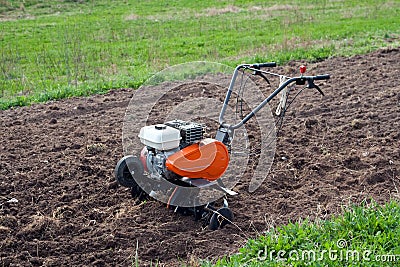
(302, 69)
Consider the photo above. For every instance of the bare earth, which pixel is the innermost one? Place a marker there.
(57, 160)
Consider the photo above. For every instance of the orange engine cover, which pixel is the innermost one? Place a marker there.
(208, 159)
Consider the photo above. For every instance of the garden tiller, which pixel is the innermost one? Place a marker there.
(177, 152)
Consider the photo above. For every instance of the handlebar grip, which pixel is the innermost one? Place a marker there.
(322, 77)
(264, 65)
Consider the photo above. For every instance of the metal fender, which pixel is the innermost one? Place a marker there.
(207, 159)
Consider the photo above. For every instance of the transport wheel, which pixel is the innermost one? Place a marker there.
(219, 219)
(127, 169)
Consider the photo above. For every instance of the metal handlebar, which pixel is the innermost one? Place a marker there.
(298, 80)
(322, 77)
(264, 65)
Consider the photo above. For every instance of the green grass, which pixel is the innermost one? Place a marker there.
(355, 238)
(58, 48)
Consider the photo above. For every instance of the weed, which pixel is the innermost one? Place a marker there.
(96, 148)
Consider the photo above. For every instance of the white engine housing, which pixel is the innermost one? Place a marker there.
(160, 137)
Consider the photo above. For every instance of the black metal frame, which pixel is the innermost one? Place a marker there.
(226, 130)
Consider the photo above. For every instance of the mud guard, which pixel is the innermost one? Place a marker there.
(207, 159)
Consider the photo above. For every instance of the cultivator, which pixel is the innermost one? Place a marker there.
(178, 162)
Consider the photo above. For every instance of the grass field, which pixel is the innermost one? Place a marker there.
(56, 49)
(366, 235)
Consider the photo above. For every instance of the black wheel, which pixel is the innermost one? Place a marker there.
(126, 169)
(219, 219)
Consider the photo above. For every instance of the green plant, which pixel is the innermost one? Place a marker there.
(57, 49)
(361, 236)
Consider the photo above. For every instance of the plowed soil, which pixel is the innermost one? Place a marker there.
(60, 205)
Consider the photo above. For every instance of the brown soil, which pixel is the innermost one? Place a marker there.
(57, 159)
